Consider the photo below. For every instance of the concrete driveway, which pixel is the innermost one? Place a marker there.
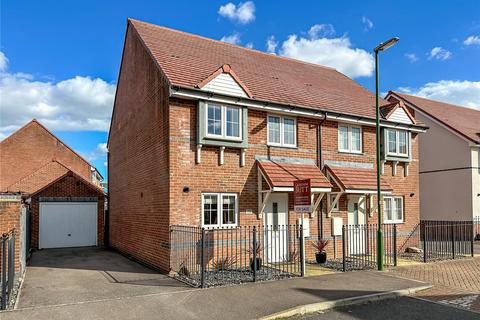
(74, 275)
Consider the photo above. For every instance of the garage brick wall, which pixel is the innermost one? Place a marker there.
(139, 152)
(68, 186)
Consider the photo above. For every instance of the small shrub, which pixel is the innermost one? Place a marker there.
(320, 245)
(223, 264)
(258, 248)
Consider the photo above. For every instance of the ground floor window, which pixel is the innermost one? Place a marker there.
(393, 208)
(219, 209)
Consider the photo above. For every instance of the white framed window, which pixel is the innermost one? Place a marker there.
(331, 198)
(349, 138)
(282, 131)
(219, 210)
(224, 122)
(397, 142)
(393, 209)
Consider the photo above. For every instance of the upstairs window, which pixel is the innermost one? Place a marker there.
(393, 208)
(282, 131)
(349, 138)
(397, 142)
(224, 122)
(219, 209)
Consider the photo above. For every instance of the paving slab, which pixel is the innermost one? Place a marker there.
(249, 301)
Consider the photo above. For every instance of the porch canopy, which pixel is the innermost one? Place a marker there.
(279, 177)
(355, 181)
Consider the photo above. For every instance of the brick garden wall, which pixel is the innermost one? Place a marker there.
(69, 186)
(10, 213)
(139, 152)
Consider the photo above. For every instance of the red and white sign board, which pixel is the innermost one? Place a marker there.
(302, 200)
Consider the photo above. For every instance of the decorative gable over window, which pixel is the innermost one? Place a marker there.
(225, 81)
(397, 112)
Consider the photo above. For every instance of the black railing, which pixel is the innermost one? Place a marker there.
(7, 260)
(359, 246)
(476, 228)
(219, 256)
(433, 240)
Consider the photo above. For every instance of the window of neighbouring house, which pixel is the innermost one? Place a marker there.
(397, 142)
(282, 131)
(224, 122)
(219, 209)
(349, 138)
(393, 209)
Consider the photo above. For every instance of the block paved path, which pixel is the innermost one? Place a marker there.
(456, 282)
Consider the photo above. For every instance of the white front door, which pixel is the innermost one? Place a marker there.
(276, 221)
(67, 224)
(356, 231)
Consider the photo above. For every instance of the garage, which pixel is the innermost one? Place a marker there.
(67, 224)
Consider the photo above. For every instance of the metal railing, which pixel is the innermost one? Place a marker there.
(476, 228)
(359, 246)
(7, 276)
(219, 256)
(433, 240)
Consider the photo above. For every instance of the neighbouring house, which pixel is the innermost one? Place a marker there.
(450, 158)
(205, 133)
(58, 188)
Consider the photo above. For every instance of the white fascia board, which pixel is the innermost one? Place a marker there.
(290, 189)
(245, 102)
(321, 190)
(370, 122)
(358, 191)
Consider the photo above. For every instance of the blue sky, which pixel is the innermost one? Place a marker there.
(60, 59)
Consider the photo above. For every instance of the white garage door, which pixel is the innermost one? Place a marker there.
(67, 224)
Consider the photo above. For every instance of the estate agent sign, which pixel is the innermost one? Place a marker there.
(301, 196)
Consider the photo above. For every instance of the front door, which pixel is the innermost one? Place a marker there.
(356, 231)
(276, 220)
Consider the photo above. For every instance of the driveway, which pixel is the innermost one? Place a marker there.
(74, 275)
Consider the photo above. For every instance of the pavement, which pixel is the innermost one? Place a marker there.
(395, 309)
(455, 282)
(100, 284)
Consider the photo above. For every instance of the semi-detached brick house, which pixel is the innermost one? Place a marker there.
(60, 189)
(200, 125)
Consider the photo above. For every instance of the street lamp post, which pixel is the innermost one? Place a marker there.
(381, 47)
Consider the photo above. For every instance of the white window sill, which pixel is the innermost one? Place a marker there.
(210, 137)
(281, 146)
(351, 152)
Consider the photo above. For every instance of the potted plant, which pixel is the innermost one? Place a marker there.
(320, 255)
(256, 262)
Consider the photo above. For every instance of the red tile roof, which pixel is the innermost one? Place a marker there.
(284, 174)
(464, 121)
(188, 59)
(387, 110)
(357, 178)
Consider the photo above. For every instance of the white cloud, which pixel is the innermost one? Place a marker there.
(439, 53)
(249, 45)
(321, 31)
(464, 93)
(412, 57)
(271, 44)
(242, 13)
(79, 103)
(3, 62)
(367, 23)
(333, 52)
(472, 40)
(234, 38)
(100, 151)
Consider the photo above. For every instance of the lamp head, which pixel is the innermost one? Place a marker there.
(387, 44)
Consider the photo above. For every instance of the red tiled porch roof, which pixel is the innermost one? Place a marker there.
(284, 174)
(357, 178)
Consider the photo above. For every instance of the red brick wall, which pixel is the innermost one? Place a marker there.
(10, 212)
(139, 152)
(31, 148)
(69, 186)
